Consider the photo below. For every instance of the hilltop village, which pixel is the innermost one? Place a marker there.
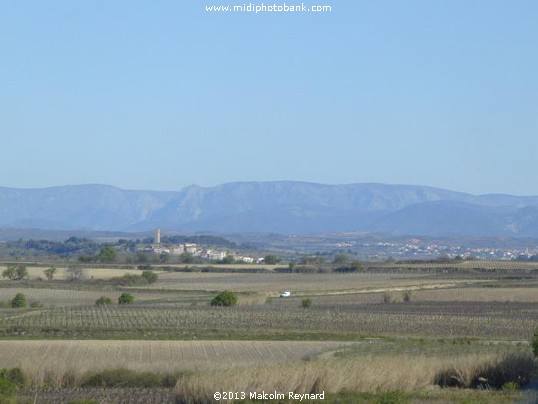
(187, 250)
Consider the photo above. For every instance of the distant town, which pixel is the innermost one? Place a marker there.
(204, 253)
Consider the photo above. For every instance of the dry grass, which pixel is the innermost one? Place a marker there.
(61, 363)
(61, 274)
(366, 374)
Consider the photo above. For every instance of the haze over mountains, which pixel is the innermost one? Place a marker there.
(279, 207)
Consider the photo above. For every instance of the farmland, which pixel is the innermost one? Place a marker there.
(414, 312)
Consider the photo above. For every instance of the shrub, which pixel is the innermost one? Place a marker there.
(390, 297)
(225, 298)
(18, 301)
(306, 303)
(49, 273)
(125, 298)
(129, 378)
(14, 375)
(510, 386)
(407, 296)
(150, 276)
(129, 280)
(10, 382)
(103, 300)
(7, 392)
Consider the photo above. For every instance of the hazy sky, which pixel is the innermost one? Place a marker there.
(162, 94)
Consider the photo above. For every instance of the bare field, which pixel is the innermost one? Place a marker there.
(57, 297)
(471, 294)
(71, 297)
(272, 283)
(463, 265)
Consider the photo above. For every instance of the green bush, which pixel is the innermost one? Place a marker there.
(103, 300)
(129, 378)
(11, 380)
(19, 301)
(306, 303)
(125, 298)
(150, 276)
(225, 298)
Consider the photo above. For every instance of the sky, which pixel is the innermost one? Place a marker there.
(163, 94)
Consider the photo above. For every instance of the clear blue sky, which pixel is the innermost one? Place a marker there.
(162, 94)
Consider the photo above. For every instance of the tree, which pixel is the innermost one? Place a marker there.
(142, 257)
(125, 298)
(164, 257)
(341, 258)
(225, 298)
(22, 272)
(103, 300)
(49, 273)
(229, 259)
(107, 254)
(15, 272)
(18, 301)
(75, 273)
(271, 259)
(150, 276)
(187, 258)
(312, 259)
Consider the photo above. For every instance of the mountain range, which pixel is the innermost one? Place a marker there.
(285, 207)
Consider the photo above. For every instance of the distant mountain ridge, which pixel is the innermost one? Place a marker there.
(275, 206)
